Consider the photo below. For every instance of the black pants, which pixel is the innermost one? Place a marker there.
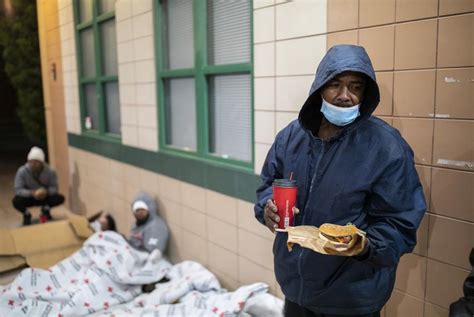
(295, 310)
(21, 203)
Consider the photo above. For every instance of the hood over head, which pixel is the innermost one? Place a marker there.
(339, 59)
(148, 200)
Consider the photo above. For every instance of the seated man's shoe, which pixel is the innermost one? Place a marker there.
(43, 219)
(45, 214)
(26, 219)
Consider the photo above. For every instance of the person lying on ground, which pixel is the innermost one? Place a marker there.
(102, 222)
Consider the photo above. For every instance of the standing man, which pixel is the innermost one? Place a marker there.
(36, 184)
(349, 167)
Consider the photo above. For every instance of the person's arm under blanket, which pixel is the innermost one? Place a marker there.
(395, 211)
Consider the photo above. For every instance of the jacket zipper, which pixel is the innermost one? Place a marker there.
(302, 220)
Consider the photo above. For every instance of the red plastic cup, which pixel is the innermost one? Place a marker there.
(284, 194)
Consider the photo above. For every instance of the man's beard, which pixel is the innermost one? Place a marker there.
(36, 172)
(140, 222)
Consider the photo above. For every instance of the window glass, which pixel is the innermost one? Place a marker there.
(181, 113)
(98, 80)
(85, 10)
(92, 115)
(228, 32)
(88, 54)
(178, 34)
(112, 106)
(109, 48)
(205, 79)
(107, 6)
(230, 117)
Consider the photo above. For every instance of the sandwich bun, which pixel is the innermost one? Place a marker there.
(339, 236)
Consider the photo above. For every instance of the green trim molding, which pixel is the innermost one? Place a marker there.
(234, 182)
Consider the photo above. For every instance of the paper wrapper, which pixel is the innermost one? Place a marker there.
(308, 237)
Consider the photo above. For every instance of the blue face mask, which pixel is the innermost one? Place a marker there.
(339, 116)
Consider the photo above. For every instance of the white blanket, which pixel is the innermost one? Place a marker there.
(104, 278)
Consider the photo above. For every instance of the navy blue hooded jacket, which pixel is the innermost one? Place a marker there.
(365, 175)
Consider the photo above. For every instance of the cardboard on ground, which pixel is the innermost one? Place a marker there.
(42, 245)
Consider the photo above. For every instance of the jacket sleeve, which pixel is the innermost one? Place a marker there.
(20, 184)
(134, 241)
(272, 169)
(396, 208)
(156, 237)
(53, 183)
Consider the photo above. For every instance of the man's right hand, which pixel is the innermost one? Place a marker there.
(270, 215)
(40, 193)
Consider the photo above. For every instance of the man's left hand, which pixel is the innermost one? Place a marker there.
(360, 253)
(41, 193)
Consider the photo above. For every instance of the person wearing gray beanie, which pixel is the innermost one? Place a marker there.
(36, 184)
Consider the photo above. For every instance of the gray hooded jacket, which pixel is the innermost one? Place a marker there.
(154, 233)
(26, 183)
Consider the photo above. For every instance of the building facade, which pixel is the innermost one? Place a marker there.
(183, 98)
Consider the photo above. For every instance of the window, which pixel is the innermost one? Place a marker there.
(205, 79)
(97, 66)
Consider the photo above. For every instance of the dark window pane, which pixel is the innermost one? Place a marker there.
(230, 116)
(228, 32)
(85, 10)
(92, 114)
(107, 6)
(109, 48)
(178, 34)
(180, 113)
(88, 54)
(112, 107)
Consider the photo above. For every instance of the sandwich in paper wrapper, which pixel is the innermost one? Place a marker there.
(327, 239)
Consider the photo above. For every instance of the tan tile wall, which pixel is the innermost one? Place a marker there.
(289, 41)
(69, 66)
(423, 54)
(53, 90)
(217, 230)
(137, 80)
(136, 67)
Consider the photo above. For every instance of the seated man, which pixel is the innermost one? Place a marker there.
(149, 231)
(36, 184)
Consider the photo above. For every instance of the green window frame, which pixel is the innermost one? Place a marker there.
(201, 72)
(100, 79)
